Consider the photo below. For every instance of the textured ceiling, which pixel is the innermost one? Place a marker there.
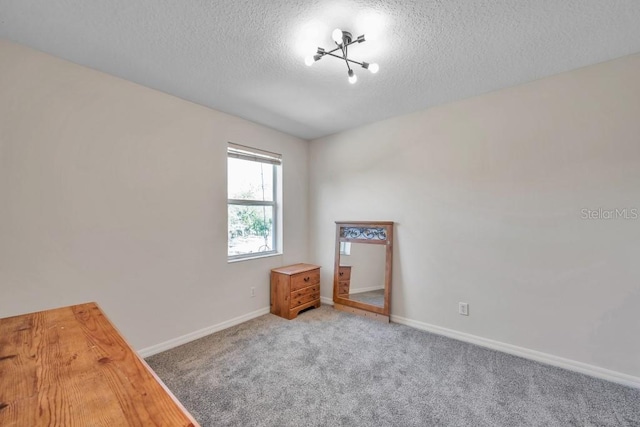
(247, 57)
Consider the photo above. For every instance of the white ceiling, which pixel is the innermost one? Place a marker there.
(247, 57)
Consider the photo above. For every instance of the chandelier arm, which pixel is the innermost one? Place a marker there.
(324, 53)
(340, 57)
(343, 49)
(344, 56)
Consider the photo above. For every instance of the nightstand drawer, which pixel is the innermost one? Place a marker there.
(305, 291)
(305, 279)
(305, 299)
(343, 288)
(344, 273)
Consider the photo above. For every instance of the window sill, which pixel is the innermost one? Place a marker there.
(231, 261)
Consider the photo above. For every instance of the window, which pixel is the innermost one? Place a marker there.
(345, 248)
(252, 205)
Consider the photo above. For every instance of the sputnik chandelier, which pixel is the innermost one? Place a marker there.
(343, 40)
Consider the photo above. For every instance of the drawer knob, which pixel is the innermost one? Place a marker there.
(306, 279)
(342, 273)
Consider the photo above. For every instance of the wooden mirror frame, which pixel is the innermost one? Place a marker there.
(381, 234)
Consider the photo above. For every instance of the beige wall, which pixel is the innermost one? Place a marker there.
(116, 193)
(488, 196)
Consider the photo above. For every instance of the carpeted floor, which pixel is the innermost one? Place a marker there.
(328, 368)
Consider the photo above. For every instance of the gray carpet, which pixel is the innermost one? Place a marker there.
(370, 297)
(328, 368)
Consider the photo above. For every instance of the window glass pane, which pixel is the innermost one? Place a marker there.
(249, 180)
(250, 229)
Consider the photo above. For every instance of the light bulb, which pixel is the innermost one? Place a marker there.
(374, 68)
(352, 78)
(309, 60)
(337, 35)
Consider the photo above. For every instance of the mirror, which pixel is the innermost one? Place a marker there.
(362, 276)
(361, 273)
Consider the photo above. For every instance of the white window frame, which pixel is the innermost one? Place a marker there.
(255, 155)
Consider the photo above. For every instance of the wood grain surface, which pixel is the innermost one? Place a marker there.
(71, 367)
(294, 288)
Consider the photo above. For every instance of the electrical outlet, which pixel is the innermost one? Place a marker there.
(463, 308)
(253, 291)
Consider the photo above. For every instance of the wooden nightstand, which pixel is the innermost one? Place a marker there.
(294, 288)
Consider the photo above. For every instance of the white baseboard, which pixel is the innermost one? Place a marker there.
(361, 290)
(549, 359)
(175, 342)
(326, 300)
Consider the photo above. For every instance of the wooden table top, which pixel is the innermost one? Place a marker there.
(71, 367)
(295, 268)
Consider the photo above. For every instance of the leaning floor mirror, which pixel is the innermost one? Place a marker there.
(362, 272)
